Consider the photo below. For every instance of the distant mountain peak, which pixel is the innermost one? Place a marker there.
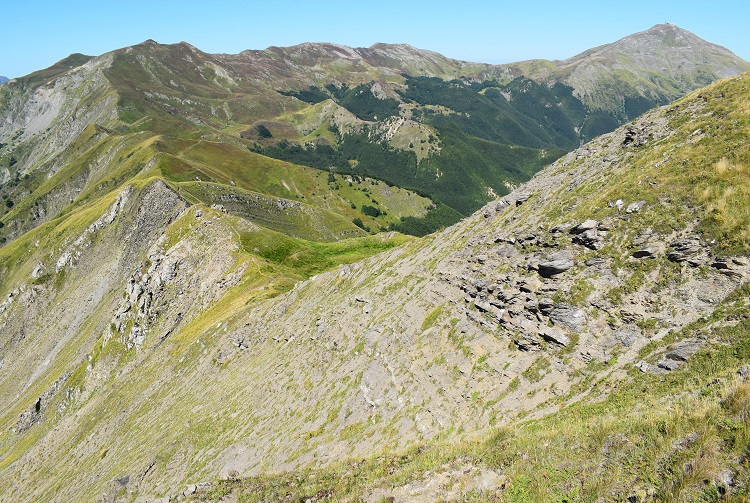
(666, 27)
(401, 47)
(664, 51)
(3, 79)
(403, 50)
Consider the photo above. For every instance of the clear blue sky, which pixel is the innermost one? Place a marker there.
(35, 34)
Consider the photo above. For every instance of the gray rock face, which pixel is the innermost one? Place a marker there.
(522, 198)
(589, 239)
(552, 334)
(37, 411)
(668, 364)
(584, 226)
(679, 354)
(546, 306)
(647, 252)
(635, 207)
(683, 351)
(635, 137)
(556, 263)
(648, 368)
(687, 250)
(627, 335)
(586, 234)
(734, 267)
(527, 341)
(569, 317)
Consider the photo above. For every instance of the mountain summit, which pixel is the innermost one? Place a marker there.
(666, 47)
(656, 65)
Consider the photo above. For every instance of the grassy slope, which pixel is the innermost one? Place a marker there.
(681, 436)
(705, 165)
(657, 438)
(270, 263)
(336, 200)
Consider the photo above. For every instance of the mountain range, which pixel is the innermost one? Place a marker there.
(214, 287)
(458, 133)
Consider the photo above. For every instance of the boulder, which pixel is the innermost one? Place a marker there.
(507, 251)
(38, 271)
(627, 335)
(590, 239)
(619, 204)
(558, 229)
(635, 207)
(587, 225)
(486, 307)
(648, 368)
(569, 317)
(522, 198)
(669, 364)
(532, 305)
(729, 267)
(685, 249)
(636, 136)
(646, 252)
(556, 263)
(554, 335)
(530, 285)
(502, 204)
(532, 264)
(683, 350)
(527, 341)
(507, 293)
(546, 306)
(679, 354)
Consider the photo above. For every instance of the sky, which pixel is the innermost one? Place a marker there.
(37, 34)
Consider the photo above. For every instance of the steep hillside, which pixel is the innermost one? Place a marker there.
(150, 342)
